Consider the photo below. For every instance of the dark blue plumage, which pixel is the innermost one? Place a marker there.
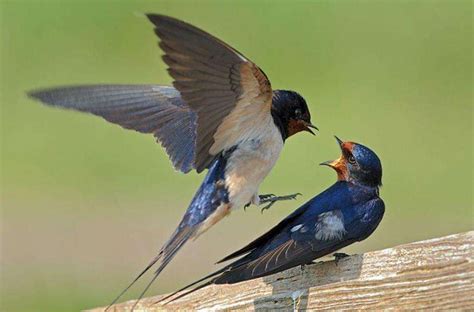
(357, 206)
(211, 195)
(347, 212)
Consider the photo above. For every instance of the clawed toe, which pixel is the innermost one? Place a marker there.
(338, 256)
(272, 199)
(246, 206)
(267, 206)
(266, 196)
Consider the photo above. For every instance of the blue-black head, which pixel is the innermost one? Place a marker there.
(290, 113)
(357, 164)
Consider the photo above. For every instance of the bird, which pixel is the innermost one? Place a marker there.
(347, 212)
(220, 115)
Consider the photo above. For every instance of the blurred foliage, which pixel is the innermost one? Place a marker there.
(86, 204)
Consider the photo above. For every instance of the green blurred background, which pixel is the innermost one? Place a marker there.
(86, 204)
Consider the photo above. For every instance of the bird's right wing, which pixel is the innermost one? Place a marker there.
(268, 235)
(145, 108)
(305, 239)
(231, 95)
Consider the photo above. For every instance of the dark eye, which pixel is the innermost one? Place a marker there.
(352, 160)
(298, 112)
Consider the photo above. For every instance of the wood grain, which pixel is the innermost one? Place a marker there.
(426, 275)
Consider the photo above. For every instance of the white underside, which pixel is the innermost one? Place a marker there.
(250, 163)
(247, 167)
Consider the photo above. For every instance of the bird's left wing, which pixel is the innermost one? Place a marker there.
(230, 94)
(145, 108)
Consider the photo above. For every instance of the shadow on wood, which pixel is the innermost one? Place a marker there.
(431, 274)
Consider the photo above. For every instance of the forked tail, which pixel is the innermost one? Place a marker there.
(169, 250)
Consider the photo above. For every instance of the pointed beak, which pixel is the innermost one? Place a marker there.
(329, 163)
(339, 141)
(309, 125)
(335, 164)
(339, 164)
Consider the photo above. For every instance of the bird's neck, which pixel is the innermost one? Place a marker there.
(281, 124)
(280, 118)
(368, 189)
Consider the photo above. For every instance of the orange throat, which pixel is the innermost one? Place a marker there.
(340, 166)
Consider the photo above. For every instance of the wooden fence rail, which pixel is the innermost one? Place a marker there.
(432, 274)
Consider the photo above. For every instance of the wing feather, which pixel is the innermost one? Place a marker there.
(214, 80)
(145, 108)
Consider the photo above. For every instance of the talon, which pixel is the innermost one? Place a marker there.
(245, 207)
(338, 256)
(267, 207)
(295, 195)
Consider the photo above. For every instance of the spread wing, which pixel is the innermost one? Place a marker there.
(145, 108)
(230, 94)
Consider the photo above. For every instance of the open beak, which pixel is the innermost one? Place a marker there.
(340, 166)
(309, 125)
(339, 141)
(329, 163)
(339, 163)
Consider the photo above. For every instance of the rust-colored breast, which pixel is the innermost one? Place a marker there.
(295, 126)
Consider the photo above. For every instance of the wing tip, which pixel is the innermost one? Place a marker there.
(40, 95)
(157, 19)
(33, 94)
(227, 258)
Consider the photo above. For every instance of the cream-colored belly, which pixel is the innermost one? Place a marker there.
(249, 164)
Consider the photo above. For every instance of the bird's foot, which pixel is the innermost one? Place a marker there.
(265, 197)
(271, 199)
(247, 205)
(303, 266)
(338, 256)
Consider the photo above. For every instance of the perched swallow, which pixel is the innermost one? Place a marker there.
(221, 115)
(347, 212)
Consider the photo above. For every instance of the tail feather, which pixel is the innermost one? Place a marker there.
(144, 291)
(152, 262)
(208, 206)
(180, 237)
(166, 254)
(191, 285)
(191, 291)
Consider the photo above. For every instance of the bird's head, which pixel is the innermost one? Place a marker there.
(291, 111)
(358, 164)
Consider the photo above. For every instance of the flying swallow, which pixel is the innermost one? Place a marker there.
(345, 213)
(222, 115)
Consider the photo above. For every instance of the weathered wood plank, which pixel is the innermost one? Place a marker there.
(431, 274)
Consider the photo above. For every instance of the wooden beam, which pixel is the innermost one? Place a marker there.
(432, 274)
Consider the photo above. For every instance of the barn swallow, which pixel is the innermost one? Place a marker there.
(345, 213)
(221, 115)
